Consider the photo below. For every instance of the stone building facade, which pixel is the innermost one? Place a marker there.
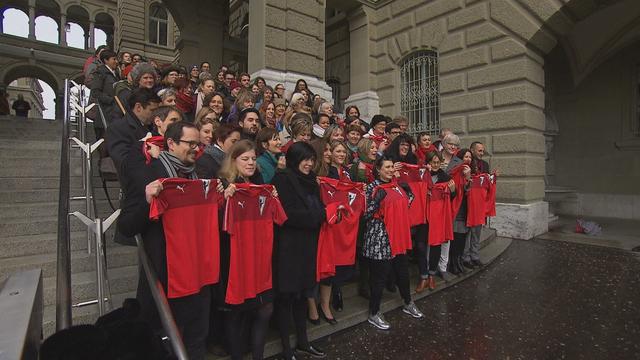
(550, 86)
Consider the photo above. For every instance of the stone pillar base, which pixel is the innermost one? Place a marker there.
(367, 102)
(521, 221)
(289, 79)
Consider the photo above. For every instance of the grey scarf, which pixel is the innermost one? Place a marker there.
(175, 167)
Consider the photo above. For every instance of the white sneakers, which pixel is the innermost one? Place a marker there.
(379, 321)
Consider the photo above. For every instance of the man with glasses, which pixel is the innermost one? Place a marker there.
(177, 160)
(438, 143)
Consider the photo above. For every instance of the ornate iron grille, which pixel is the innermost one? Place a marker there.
(420, 95)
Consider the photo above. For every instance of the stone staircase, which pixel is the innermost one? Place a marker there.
(29, 186)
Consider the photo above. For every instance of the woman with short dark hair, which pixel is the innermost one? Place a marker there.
(297, 244)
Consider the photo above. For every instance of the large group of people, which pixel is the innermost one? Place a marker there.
(254, 202)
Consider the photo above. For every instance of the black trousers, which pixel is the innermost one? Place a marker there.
(252, 322)
(457, 245)
(379, 270)
(295, 304)
(420, 248)
(434, 258)
(191, 314)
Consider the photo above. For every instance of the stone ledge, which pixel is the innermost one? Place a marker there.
(521, 221)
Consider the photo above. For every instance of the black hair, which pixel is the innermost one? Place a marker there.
(136, 54)
(205, 62)
(420, 135)
(461, 152)
(317, 117)
(433, 154)
(163, 111)
(243, 114)
(390, 126)
(143, 96)
(393, 151)
(106, 54)
(377, 119)
(378, 163)
(100, 48)
(175, 131)
(474, 144)
(298, 152)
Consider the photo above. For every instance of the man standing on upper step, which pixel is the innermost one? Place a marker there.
(21, 106)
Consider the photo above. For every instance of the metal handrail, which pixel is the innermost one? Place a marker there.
(160, 299)
(63, 274)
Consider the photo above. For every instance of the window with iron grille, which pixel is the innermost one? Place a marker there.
(420, 95)
(158, 25)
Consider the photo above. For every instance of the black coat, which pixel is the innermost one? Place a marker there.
(296, 241)
(122, 136)
(208, 166)
(134, 217)
(102, 92)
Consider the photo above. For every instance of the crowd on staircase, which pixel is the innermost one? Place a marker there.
(256, 200)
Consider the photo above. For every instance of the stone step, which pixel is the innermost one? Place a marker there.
(25, 245)
(39, 167)
(83, 285)
(81, 261)
(34, 144)
(50, 182)
(80, 315)
(43, 225)
(43, 209)
(50, 195)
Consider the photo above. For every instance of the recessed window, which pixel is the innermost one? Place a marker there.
(420, 94)
(158, 25)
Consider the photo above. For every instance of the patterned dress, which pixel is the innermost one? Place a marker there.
(376, 239)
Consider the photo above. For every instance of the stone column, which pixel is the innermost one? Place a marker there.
(361, 95)
(62, 39)
(32, 21)
(286, 43)
(92, 38)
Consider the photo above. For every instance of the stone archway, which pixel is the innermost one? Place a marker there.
(20, 70)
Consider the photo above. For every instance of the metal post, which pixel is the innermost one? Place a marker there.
(88, 194)
(99, 268)
(159, 297)
(63, 265)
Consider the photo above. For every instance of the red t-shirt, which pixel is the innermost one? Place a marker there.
(491, 197)
(438, 214)
(458, 177)
(248, 218)
(419, 180)
(394, 212)
(478, 199)
(189, 213)
(337, 240)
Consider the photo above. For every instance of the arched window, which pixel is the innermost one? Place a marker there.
(158, 24)
(420, 95)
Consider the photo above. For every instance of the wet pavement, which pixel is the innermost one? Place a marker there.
(539, 300)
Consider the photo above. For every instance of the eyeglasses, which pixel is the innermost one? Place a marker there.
(452, 144)
(192, 144)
